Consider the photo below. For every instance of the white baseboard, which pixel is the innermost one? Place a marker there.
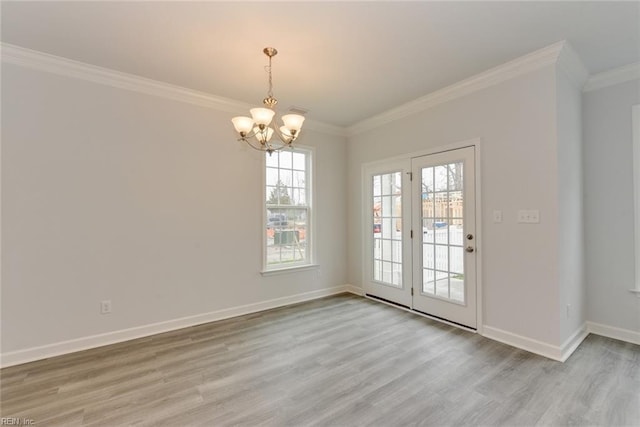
(559, 353)
(612, 332)
(534, 346)
(573, 342)
(56, 349)
(355, 290)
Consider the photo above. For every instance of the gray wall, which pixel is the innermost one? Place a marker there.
(516, 120)
(571, 280)
(111, 194)
(609, 217)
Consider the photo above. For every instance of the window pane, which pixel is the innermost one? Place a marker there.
(386, 184)
(298, 179)
(272, 195)
(442, 284)
(455, 235)
(456, 204)
(455, 176)
(272, 176)
(428, 252)
(377, 270)
(377, 185)
(428, 205)
(387, 272)
(440, 230)
(386, 250)
(386, 228)
(285, 177)
(272, 160)
(428, 234)
(442, 258)
(397, 250)
(428, 284)
(427, 180)
(397, 274)
(286, 159)
(298, 161)
(386, 206)
(286, 235)
(441, 173)
(456, 258)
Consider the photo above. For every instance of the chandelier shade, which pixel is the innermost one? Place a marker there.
(258, 129)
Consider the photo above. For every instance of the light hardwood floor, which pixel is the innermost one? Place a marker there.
(339, 361)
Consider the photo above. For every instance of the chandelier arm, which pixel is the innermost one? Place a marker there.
(285, 139)
(250, 143)
(251, 134)
(280, 148)
(265, 147)
(257, 145)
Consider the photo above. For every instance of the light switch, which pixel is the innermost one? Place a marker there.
(529, 216)
(497, 217)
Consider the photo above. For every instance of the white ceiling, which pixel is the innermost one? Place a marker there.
(342, 61)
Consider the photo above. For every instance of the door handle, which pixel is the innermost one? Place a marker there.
(469, 249)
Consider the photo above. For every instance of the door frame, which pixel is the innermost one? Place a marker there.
(475, 142)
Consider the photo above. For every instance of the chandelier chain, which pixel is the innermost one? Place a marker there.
(270, 93)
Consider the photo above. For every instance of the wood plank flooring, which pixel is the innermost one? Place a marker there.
(338, 361)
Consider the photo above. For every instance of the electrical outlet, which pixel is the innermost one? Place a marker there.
(105, 307)
(497, 217)
(529, 216)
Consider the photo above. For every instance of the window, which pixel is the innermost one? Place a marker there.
(288, 209)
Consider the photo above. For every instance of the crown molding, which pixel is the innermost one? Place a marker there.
(16, 55)
(613, 77)
(522, 65)
(570, 63)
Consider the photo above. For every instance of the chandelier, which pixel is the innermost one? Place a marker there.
(258, 129)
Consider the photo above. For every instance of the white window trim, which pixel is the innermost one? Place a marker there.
(310, 263)
(635, 117)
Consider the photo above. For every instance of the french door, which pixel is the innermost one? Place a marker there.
(421, 245)
(388, 232)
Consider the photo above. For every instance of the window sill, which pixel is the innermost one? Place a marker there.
(635, 291)
(296, 269)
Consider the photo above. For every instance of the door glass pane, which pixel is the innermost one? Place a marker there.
(377, 270)
(377, 186)
(443, 231)
(428, 284)
(387, 228)
(440, 178)
(442, 284)
(455, 176)
(442, 258)
(440, 230)
(428, 256)
(397, 251)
